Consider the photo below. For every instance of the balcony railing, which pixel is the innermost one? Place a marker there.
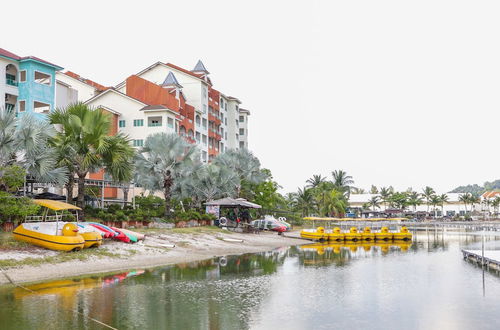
(11, 82)
(154, 124)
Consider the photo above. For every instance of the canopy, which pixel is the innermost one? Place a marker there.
(55, 205)
(353, 219)
(230, 202)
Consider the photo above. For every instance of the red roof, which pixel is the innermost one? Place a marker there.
(6, 53)
(97, 86)
(197, 75)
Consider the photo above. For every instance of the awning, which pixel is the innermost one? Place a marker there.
(55, 205)
(231, 202)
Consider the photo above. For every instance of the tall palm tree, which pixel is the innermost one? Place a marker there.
(25, 141)
(428, 192)
(85, 143)
(334, 203)
(342, 181)
(315, 180)
(414, 199)
(464, 198)
(385, 194)
(435, 200)
(474, 199)
(443, 198)
(374, 202)
(304, 201)
(162, 161)
(373, 189)
(495, 203)
(244, 164)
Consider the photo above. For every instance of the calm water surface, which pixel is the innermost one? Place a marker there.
(422, 285)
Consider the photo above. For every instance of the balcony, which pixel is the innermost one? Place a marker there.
(154, 124)
(11, 82)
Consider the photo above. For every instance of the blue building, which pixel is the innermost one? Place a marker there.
(27, 84)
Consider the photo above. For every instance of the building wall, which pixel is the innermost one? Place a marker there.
(6, 88)
(233, 124)
(243, 129)
(85, 92)
(31, 91)
(65, 95)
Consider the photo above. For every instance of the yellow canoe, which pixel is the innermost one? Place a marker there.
(46, 235)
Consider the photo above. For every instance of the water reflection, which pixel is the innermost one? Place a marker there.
(290, 288)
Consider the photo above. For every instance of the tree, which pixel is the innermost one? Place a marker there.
(244, 164)
(464, 198)
(414, 199)
(304, 201)
(342, 182)
(435, 200)
(161, 163)
(334, 203)
(443, 198)
(399, 200)
(12, 178)
(373, 189)
(374, 202)
(474, 199)
(428, 192)
(495, 203)
(24, 141)
(385, 194)
(315, 180)
(85, 143)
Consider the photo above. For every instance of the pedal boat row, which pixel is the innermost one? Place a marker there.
(319, 234)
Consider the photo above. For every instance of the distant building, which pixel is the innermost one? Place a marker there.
(27, 84)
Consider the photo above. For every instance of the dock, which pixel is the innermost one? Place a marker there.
(491, 258)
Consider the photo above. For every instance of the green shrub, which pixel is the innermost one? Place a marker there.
(120, 216)
(15, 209)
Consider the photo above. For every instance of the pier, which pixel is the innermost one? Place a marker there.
(489, 259)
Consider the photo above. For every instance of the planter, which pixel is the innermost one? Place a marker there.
(145, 224)
(7, 226)
(180, 224)
(135, 224)
(109, 223)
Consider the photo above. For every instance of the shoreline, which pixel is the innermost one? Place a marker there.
(150, 254)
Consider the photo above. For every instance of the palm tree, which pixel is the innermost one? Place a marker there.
(84, 143)
(385, 194)
(315, 180)
(374, 202)
(474, 199)
(304, 201)
(25, 141)
(495, 203)
(435, 200)
(163, 161)
(320, 194)
(244, 164)
(427, 194)
(414, 199)
(334, 203)
(373, 189)
(464, 198)
(342, 182)
(443, 198)
(209, 182)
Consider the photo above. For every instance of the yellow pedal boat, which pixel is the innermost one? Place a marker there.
(50, 235)
(384, 234)
(336, 235)
(92, 239)
(353, 235)
(316, 235)
(367, 234)
(403, 234)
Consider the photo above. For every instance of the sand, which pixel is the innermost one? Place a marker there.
(154, 251)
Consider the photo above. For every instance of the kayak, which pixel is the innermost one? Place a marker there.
(136, 234)
(107, 233)
(131, 237)
(121, 236)
(104, 228)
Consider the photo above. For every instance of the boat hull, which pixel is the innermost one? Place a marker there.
(51, 242)
(402, 236)
(314, 235)
(92, 239)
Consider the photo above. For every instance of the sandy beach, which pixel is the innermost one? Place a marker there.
(155, 250)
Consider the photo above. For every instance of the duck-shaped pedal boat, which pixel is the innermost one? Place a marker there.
(316, 235)
(353, 235)
(367, 234)
(336, 235)
(384, 234)
(403, 235)
(58, 236)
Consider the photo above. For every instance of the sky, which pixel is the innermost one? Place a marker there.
(401, 93)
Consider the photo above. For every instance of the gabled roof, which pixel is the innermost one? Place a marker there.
(199, 67)
(89, 82)
(171, 81)
(6, 53)
(112, 90)
(178, 68)
(245, 111)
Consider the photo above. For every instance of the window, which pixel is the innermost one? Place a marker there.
(242, 144)
(225, 121)
(41, 107)
(198, 136)
(225, 137)
(204, 156)
(42, 78)
(121, 123)
(204, 139)
(138, 143)
(221, 147)
(22, 76)
(204, 123)
(221, 116)
(170, 122)
(204, 92)
(138, 122)
(154, 121)
(198, 120)
(204, 108)
(22, 106)
(242, 119)
(242, 131)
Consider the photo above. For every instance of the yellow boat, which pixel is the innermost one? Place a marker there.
(92, 239)
(403, 234)
(367, 234)
(317, 235)
(353, 235)
(336, 235)
(48, 231)
(384, 234)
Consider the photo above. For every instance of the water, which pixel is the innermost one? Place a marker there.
(422, 285)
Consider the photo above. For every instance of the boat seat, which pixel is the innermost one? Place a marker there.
(48, 228)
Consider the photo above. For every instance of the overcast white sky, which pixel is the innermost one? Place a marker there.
(402, 93)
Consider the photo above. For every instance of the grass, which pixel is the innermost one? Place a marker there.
(7, 242)
(83, 255)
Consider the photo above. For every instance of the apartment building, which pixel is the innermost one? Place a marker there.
(27, 84)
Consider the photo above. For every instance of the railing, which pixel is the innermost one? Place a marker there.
(11, 82)
(154, 124)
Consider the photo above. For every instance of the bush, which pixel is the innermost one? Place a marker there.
(120, 216)
(16, 208)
